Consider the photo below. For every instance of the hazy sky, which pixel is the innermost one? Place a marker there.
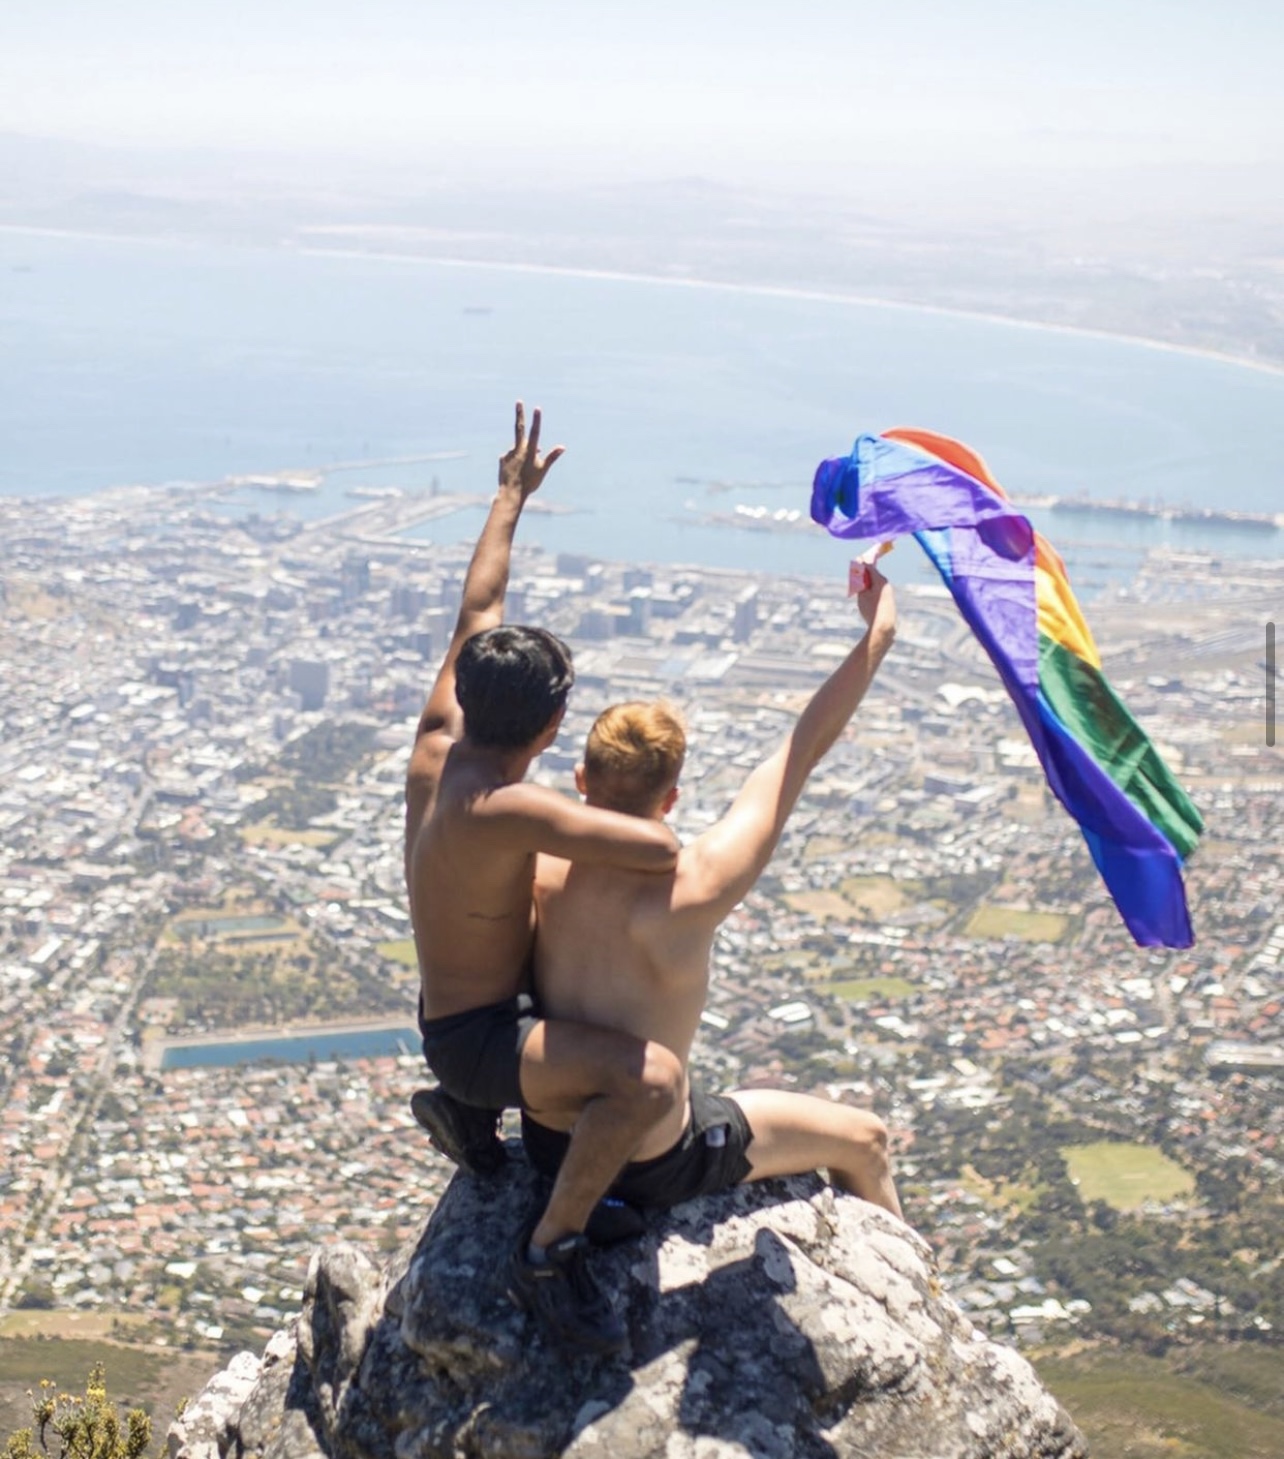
(755, 89)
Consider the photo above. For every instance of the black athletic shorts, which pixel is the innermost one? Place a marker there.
(477, 1054)
(710, 1156)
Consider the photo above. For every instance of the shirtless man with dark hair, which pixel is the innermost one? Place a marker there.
(632, 952)
(473, 830)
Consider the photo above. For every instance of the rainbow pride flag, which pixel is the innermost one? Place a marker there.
(1011, 587)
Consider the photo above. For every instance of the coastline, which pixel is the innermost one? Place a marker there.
(817, 296)
(757, 290)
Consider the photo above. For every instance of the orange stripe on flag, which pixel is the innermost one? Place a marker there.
(1060, 616)
(955, 453)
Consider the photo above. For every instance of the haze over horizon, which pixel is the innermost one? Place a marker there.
(819, 97)
(1119, 169)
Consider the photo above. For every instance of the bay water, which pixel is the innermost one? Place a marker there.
(129, 361)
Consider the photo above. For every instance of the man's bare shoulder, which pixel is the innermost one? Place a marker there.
(685, 898)
(670, 922)
(708, 873)
(698, 861)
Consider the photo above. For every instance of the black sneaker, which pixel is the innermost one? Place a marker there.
(613, 1221)
(562, 1294)
(461, 1132)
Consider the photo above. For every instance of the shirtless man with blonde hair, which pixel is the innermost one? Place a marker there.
(632, 952)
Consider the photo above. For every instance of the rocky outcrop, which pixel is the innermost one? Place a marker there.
(778, 1321)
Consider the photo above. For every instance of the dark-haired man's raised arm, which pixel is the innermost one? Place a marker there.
(528, 818)
(521, 473)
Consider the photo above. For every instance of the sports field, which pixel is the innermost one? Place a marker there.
(872, 898)
(1125, 1176)
(266, 834)
(865, 990)
(822, 904)
(878, 896)
(992, 921)
(402, 951)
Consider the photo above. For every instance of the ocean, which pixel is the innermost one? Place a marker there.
(125, 361)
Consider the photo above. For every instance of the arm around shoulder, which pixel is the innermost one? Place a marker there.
(534, 818)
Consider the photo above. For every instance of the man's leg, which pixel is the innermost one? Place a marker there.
(623, 1088)
(796, 1133)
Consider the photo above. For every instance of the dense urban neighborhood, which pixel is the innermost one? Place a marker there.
(206, 712)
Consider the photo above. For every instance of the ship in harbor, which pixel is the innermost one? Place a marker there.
(375, 493)
(1161, 511)
(287, 484)
(748, 518)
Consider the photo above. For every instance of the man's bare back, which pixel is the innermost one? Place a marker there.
(470, 890)
(627, 951)
(471, 912)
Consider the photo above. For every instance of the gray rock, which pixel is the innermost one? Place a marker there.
(205, 1425)
(777, 1321)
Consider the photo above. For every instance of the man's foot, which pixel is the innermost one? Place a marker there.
(613, 1221)
(461, 1132)
(561, 1293)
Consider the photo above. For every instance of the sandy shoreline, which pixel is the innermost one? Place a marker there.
(766, 291)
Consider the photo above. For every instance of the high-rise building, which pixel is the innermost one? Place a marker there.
(354, 577)
(639, 624)
(746, 615)
(596, 624)
(572, 564)
(408, 601)
(310, 680)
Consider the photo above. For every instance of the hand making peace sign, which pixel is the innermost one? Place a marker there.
(523, 469)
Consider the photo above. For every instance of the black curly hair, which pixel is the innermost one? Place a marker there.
(510, 681)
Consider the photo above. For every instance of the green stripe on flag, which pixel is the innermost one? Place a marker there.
(1095, 715)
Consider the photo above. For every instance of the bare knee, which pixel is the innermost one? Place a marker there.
(869, 1137)
(876, 1132)
(656, 1082)
(876, 1135)
(867, 1169)
(663, 1077)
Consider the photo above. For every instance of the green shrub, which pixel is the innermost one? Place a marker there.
(68, 1427)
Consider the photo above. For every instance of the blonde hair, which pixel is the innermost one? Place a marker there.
(634, 756)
